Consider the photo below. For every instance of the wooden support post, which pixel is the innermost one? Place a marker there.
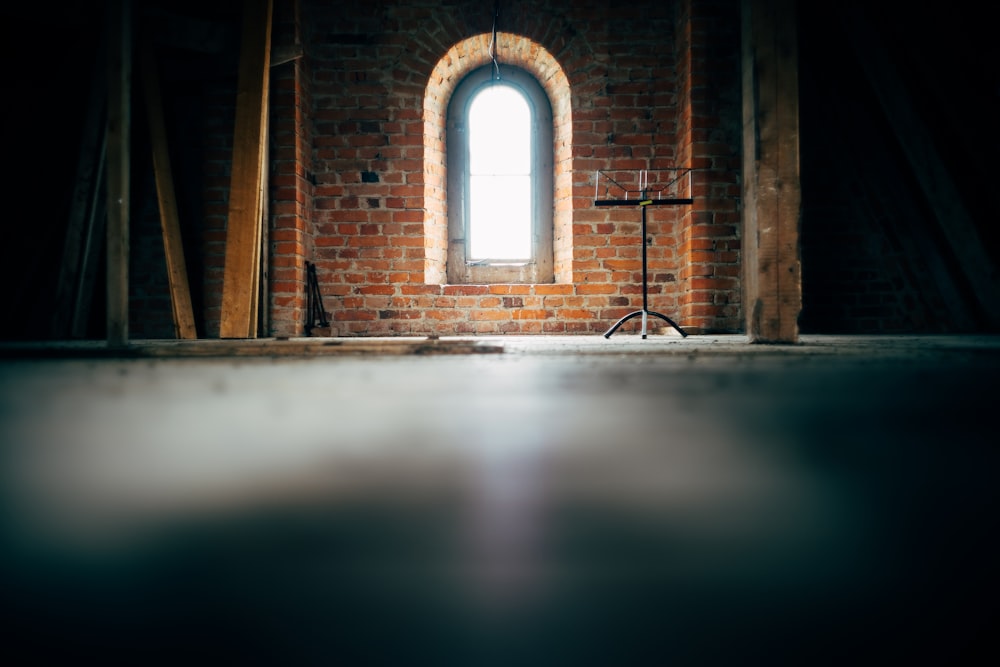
(173, 247)
(241, 276)
(772, 196)
(118, 154)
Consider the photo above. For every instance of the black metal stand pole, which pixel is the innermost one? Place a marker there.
(645, 312)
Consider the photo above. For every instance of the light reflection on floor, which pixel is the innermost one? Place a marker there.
(502, 509)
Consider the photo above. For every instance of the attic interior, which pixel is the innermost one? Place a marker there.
(897, 232)
(447, 491)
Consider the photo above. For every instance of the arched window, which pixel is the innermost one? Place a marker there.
(499, 148)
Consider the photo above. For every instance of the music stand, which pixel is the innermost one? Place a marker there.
(670, 187)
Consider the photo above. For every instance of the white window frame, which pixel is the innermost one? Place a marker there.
(538, 269)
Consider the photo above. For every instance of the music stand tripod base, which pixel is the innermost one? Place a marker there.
(645, 316)
(665, 190)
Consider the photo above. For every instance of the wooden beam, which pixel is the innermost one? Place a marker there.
(118, 156)
(80, 226)
(240, 283)
(90, 253)
(917, 144)
(173, 247)
(772, 193)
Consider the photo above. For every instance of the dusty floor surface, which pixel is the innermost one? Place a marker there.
(558, 501)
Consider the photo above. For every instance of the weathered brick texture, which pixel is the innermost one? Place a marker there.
(357, 178)
(629, 90)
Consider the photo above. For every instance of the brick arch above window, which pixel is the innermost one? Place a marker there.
(453, 66)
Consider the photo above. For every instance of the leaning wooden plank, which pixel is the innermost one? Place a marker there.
(118, 146)
(173, 247)
(258, 236)
(262, 314)
(90, 254)
(81, 223)
(259, 243)
(239, 282)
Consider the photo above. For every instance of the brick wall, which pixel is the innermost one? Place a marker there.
(859, 281)
(356, 177)
(150, 311)
(357, 171)
(220, 122)
(874, 259)
(709, 240)
(291, 229)
(381, 74)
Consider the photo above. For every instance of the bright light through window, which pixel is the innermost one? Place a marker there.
(499, 175)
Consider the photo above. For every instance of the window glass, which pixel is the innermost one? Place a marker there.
(499, 179)
(500, 175)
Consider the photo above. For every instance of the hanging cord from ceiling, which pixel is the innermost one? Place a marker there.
(493, 41)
